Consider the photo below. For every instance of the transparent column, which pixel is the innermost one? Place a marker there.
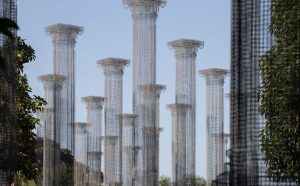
(150, 120)
(185, 53)
(94, 106)
(64, 40)
(144, 17)
(214, 121)
(81, 138)
(113, 69)
(127, 121)
(179, 116)
(50, 120)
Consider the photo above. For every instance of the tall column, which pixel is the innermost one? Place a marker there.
(64, 40)
(150, 120)
(179, 116)
(113, 71)
(144, 16)
(80, 153)
(129, 172)
(94, 106)
(50, 126)
(185, 53)
(214, 121)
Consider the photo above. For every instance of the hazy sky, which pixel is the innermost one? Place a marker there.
(107, 33)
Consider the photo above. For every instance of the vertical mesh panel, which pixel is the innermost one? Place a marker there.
(94, 106)
(8, 9)
(185, 53)
(64, 40)
(179, 116)
(113, 71)
(144, 16)
(214, 121)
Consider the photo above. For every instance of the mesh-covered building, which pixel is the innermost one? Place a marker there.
(64, 40)
(250, 39)
(214, 121)
(94, 107)
(8, 9)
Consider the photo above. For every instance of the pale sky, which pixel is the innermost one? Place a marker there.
(107, 33)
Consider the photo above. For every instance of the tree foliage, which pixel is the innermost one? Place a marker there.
(26, 106)
(280, 93)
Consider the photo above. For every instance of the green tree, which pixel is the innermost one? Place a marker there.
(165, 181)
(280, 93)
(5, 27)
(26, 106)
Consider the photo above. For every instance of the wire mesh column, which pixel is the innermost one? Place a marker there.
(179, 116)
(150, 120)
(185, 53)
(64, 40)
(214, 121)
(113, 69)
(94, 106)
(144, 16)
(127, 121)
(81, 146)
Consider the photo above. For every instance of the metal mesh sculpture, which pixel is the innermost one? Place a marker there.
(179, 115)
(64, 40)
(8, 9)
(185, 53)
(144, 16)
(94, 106)
(81, 147)
(214, 121)
(150, 108)
(127, 121)
(51, 126)
(113, 69)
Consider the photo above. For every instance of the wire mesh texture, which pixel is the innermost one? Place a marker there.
(186, 53)
(8, 9)
(250, 39)
(94, 107)
(144, 14)
(64, 40)
(214, 121)
(179, 116)
(113, 69)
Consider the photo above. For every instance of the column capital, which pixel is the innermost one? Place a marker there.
(151, 89)
(214, 75)
(113, 65)
(128, 118)
(52, 80)
(93, 102)
(176, 108)
(63, 33)
(186, 47)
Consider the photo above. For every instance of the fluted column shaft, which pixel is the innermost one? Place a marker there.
(215, 121)
(64, 40)
(185, 53)
(129, 149)
(94, 106)
(113, 71)
(179, 115)
(81, 138)
(150, 119)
